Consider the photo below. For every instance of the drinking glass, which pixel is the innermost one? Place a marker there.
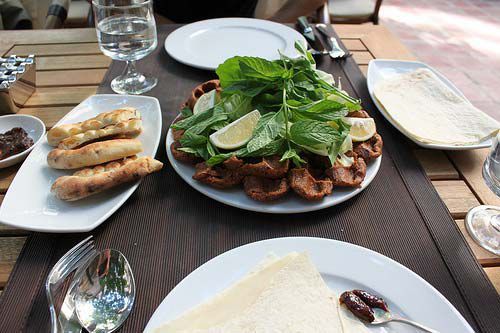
(483, 222)
(126, 31)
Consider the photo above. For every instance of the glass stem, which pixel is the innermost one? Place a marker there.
(130, 70)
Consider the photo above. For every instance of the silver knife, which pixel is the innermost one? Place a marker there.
(316, 47)
(68, 321)
(335, 49)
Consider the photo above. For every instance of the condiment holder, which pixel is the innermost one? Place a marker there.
(17, 82)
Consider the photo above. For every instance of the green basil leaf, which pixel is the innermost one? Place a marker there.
(237, 105)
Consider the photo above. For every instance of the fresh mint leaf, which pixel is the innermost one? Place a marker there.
(186, 112)
(190, 139)
(211, 149)
(324, 110)
(313, 132)
(237, 105)
(262, 69)
(203, 125)
(291, 154)
(194, 119)
(267, 129)
(275, 147)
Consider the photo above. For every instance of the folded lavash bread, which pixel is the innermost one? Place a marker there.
(89, 181)
(124, 129)
(59, 133)
(93, 153)
(280, 295)
(430, 112)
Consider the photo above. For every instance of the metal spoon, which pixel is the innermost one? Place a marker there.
(105, 293)
(383, 317)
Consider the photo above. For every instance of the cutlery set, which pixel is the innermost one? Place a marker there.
(318, 46)
(100, 295)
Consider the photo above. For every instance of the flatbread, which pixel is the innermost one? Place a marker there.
(430, 112)
(284, 294)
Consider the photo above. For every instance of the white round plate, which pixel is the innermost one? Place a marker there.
(207, 44)
(379, 69)
(291, 203)
(32, 125)
(343, 266)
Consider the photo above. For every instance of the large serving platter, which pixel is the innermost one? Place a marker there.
(343, 266)
(289, 204)
(206, 44)
(380, 69)
(29, 204)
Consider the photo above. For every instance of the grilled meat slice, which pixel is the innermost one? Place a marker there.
(369, 149)
(269, 167)
(233, 163)
(217, 176)
(265, 189)
(351, 176)
(359, 114)
(308, 187)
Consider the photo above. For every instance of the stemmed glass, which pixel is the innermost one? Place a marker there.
(483, 222)
(126, 31)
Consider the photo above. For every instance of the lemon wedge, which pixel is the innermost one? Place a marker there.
(237, 133)
(205, 102)
(361, 128)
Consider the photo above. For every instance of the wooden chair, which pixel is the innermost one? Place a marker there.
(354, 11)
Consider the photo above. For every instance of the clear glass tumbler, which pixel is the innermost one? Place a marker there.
(126, 31)
(483, 222)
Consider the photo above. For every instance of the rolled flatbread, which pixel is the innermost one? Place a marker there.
(89, 181)
(93, 154)
(59, 133)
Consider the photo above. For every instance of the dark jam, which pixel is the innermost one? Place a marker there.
(371, 300)
(14, 142)
(359, 308)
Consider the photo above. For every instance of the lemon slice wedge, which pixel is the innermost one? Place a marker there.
(237, 133)
(361, 128)
(205, 102)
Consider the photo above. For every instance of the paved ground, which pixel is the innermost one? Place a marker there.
(460, 38)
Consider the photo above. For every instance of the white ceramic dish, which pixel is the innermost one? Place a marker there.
(32, 125)
(291, 203)
(206, 44)
(343, 266)
(29, 204)
(380, 69)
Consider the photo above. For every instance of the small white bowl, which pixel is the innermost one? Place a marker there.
(32, 125)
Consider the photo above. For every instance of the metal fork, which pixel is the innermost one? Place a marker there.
(67, 264)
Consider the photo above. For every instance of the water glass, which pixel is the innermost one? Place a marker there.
(126, 31)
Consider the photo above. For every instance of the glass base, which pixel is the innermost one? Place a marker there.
(483, 224)
(133, 83)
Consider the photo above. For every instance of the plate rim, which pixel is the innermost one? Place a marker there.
(371, 65)
(202, 188)
(296, 239)
(124, 195)
(172, 53)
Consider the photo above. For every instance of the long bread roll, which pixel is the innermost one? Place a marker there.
(124, 129)
(93, 154)
(59, 133)
(89, 181)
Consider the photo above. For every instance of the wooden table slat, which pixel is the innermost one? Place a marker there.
(76, 77)
(55, 96)
(9, 251)
(72, 62)
(362, 57)
(55, 49)
(6, 177)
(436, 164)
(354, 45)
(50, 115)
(457, 196)
(494, 275)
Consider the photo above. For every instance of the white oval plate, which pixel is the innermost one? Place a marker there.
(207, 44)
(291, 203)
(342, 265)
(29, 204)
(32, 125)
(379, 69)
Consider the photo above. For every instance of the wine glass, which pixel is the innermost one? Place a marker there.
(126, 31)
(483, 222)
